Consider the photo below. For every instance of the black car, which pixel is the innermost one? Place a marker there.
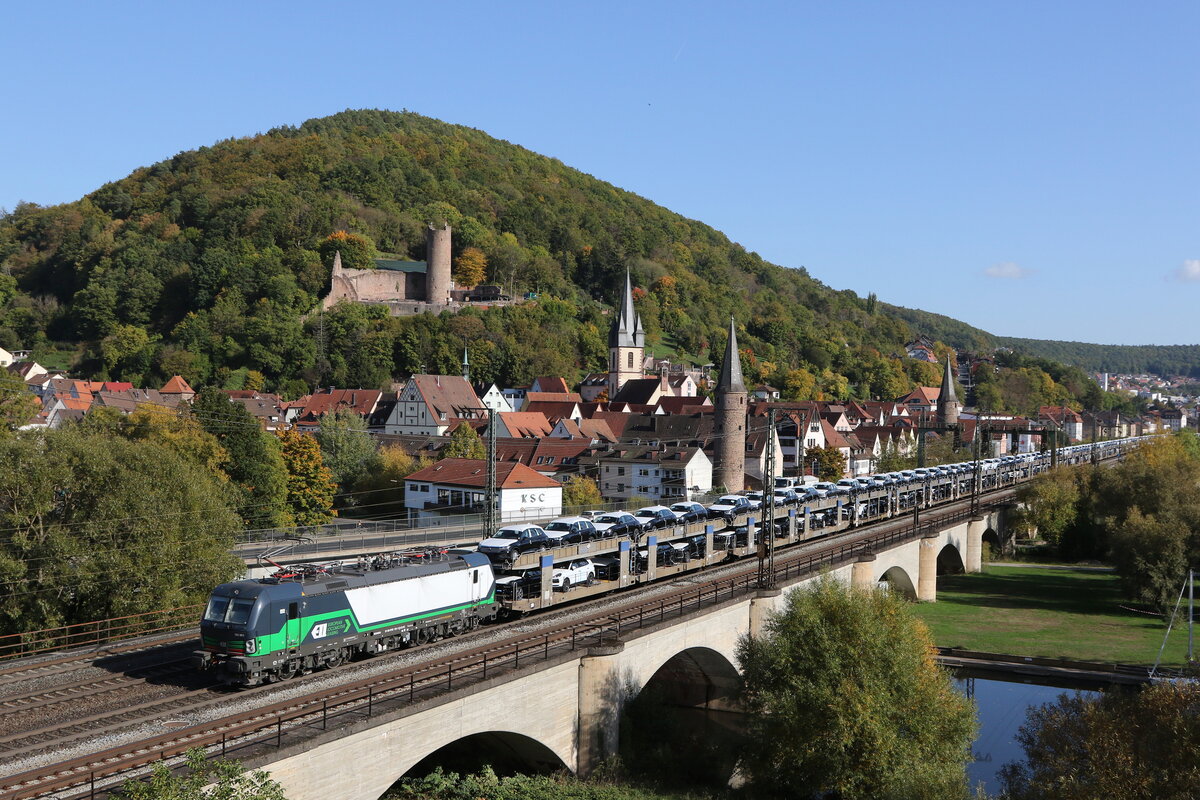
(689, 511)
(608, 568)
(571, 530)
(514, 540)
(729, 506)
(656, 517)
(617, 523)
(520, 586)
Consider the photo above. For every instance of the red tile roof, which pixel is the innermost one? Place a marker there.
(553, 384)
(361, 401)
(177, 385)
(553, 397)
(473, 473)
(525, 423)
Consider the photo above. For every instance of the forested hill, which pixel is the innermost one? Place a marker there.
(1172, 359)
(1175, 359)
(210, 264)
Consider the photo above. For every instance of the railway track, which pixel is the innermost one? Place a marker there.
(547, 638)
(71, 660)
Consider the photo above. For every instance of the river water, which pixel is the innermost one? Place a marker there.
(1002, 706)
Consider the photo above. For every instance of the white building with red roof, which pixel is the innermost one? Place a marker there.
(459, 485)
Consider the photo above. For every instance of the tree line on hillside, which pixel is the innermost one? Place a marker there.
(210, 265)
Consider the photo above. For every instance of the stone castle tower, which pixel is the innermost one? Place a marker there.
(948, 406)
(730, 428)
(626, 343)
(438, 282)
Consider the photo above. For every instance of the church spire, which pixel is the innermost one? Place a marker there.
(731, 369)
(627, 330)
(466, 366)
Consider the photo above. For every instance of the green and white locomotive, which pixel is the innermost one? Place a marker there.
(257, 631)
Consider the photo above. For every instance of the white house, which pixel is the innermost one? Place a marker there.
(6, 357)
(660, 472)
(490, 395)
(457, 486)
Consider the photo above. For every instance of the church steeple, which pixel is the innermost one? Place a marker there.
(466, 366)
(626, 343)
(627, 330)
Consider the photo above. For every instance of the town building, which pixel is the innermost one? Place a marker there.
(658, 472)
(433, 404)
(459, 486)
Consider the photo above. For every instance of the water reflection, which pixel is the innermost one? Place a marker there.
(1002, 707)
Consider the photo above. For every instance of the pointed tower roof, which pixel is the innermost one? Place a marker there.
(627, 330)
(177, 385)
(466, 366)
(731, 368)
(947, 394)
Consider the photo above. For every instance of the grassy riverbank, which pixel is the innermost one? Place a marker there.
(1059, 612)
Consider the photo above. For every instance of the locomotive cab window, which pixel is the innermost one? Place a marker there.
(239, 611)
(217, 606)
(293, 610)
(474, 576)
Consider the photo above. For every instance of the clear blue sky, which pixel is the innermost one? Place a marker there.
(1030, 168)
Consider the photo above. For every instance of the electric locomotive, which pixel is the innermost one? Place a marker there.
(258, 631)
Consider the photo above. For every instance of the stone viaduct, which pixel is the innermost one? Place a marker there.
(566, 712)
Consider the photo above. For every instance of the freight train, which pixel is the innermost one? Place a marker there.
(259, 631)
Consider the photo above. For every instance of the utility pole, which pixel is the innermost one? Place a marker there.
(766, 561)
(975, 477)
(489, 519)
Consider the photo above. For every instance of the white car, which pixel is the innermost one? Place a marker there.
(580, 572)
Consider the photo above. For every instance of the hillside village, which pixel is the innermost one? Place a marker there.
(647, 428)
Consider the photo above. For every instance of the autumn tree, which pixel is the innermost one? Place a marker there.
(470, 268)
(358, 252)
(580, 491)
(176, 431)
(830, 462)
(465, 443)
(1117, 745)
(1049, 504)
(310, 484)
(844, 699)
(380, 491)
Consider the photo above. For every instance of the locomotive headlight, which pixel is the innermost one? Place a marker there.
(251, 645)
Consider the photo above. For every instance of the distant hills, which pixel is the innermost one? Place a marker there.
(209, 265)
(1175, 359)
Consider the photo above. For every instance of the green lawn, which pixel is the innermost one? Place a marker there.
(1060, 613)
